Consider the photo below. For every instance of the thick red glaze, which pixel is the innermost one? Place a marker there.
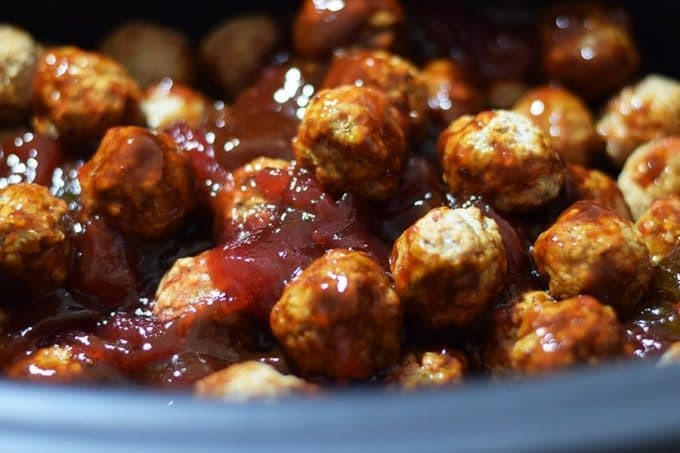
(28, 157)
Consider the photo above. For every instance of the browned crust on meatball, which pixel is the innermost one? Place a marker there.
(659, 227)
(19, 55)
(429, 369)
(589, 184)
(168, 102)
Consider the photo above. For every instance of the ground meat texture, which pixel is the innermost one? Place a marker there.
(403, 84)
(640, 113)
(651, 172)
(448, 266)
(592, 250)
(589, 184)
(565, 118)
(352, 139)
(503, 157)
(233, 52)
(588, 47)
(429, 369)
(659, 227)
(18, 59)
(167, 102)
(78, 95)
(151, 52)
(322, 26)
(451, 91)
(34, 248)
(340, 318)
(139, 182)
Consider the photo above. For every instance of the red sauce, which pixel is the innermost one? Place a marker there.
(28, 157)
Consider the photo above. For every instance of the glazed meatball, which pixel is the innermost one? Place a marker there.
(451, 92)
(139, 182)
(167, 102)
(588, 184)
(351, 138)
(250, 380)
(34, 250)
(588, 47)
(651, 172)
(429, 369)
(403, 84)
(536, 335)
(640, 113)
(563, 117)
(151, 52)
(592, 250)
(448, 266)
(322, 26)
(659, 227)
(502, 156)
(78, 95)
(340, 318)
(18, 59)
(233, 52)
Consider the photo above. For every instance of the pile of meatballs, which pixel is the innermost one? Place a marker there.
(362, 194)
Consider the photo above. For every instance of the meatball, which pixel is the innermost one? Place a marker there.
(250, 380)
(321, 27)
(18, 60)
(403, 84)
(233, 52)
(340, 318)
(503, 94)
(588, 184)
(639, 114)
(167, 102)
(592, 250)
(536, 335)
(448, 266)
(563, 117)
(34, 250)
(588, 47)
(78, 95)
(351, 138)
(429, 369)
(659, 227)
(151, 52)
(451, 92)
(502, 156)
(139, 182)
(651, 172)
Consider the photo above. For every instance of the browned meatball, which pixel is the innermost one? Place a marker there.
(167, 102)
(588, 184)
(502, 156)
(451, 90)
(322, 26)
(640, 113)
(233, 52)
(18, 59)
(139, 182)
(34, 250)
(352, 139)
(563, 117)
(340, 318)
(592, 250)
(588, 47)
(151, 52)
(403, 84)
(535, 335)
(78, 95)
(659, 227)
(503, 94)
(448, 266)
(429, 369)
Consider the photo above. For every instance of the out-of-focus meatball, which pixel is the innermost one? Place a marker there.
(588, 47)
(535, 335)
(139, 182)
(351, 137)
(78, 95)
(18, 59)
(639, 114)
(502, 156)
(660, 227)
(592, 250)
(588, 184)
(233, 52)
(503, 94)
(451, 91)
(167, 102)
(448, 266)
(671, 356)
(250, 380)
(322, 26)
(651, 172)
(563, 117)
(403, 84)
(340, 318)
(151, 52)
(34, 248)
(429, 369)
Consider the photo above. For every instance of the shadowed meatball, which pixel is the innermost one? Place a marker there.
(451, 92)
(502, 156)
(18, 59)
(659, 227)
(588, 184)
(448, 266)
(429, 369)
(340, 318)
(352, 140)
(167, 102)
(139, 182)
(591, 250)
